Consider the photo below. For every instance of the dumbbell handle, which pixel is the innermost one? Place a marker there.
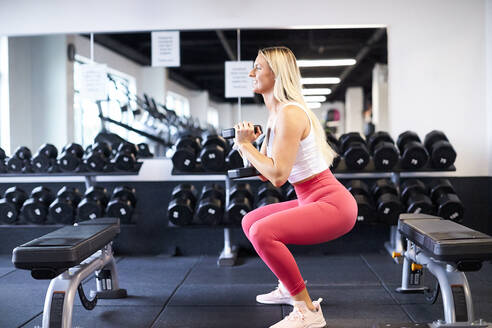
(231, 133)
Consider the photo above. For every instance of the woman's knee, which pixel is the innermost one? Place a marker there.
(259, 234)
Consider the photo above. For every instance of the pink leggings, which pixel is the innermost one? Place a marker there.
(324, 210)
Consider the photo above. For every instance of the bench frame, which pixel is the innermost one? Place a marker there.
(58, 305)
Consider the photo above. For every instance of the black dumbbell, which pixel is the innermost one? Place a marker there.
(448, 204)
(210, 209)
(240, 202)
(388, 204)
(122, 203)
(11, 204)
(18, 161)
(63, 209)
(269, 194)
(93, 204)
(234, 160)
(125, 157)
(35, 209)
(187, 148)
(3, 165)
(97, 156)
(45, 158)
(70, 157)
(383, 150)
(144, 151)
(365, 207)
(442, 154)
(335, 145)
(414, 196)
(413, 153)
(212, 155)
(354, 150)
(181, 208)
(290, 193)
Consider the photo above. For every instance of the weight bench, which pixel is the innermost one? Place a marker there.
(67, 256)
(447, 249)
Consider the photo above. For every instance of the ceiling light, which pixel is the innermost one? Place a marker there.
(316, 91)
(320, 80)
(314, 98)
(313, 104)
(325, 62)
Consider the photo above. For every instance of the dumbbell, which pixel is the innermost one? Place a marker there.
(63, 209)
(35, 209)
(210, 206)
(125, 157)
(187, 148)
(290, 193)
(242, 172)
(413, 153)
(122, 203)
(269, 194)
(144, 151)
(10, 205)
(97, 156)
(354, 150)
(19, 160)
(233, 159)
(383, 150)
(365, 207)
(388, 204)
(449, 206)
(240, 202)
(414, 196)
(335, 145)
(212, 155)
(70, 157)
(442, 154)
(44, 158)
(3, 165)
(181, 208)
(93, 204)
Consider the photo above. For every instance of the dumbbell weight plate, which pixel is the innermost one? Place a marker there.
(180, 210)
(119, 208)
(238, 207)
(34, 211)
(212, 157)
(420, 203)
(267, 189)
(268, 200)
(184, 158)
(442, 154)
(450, 207)
(385, 156)
(389, 208)
(89, 209)
(210, 211)
(8, 212)
(62, 211)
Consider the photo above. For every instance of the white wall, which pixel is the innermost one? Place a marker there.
(488, 34)
(38, 88)
(436, 49)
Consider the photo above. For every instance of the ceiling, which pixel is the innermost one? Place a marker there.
(203, 54)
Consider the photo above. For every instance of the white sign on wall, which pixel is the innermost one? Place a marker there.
(237, 81)
(93, 81)
(166, 49)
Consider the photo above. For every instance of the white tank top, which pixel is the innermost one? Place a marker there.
(309, 160)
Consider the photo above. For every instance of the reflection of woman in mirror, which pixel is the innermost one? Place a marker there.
(295, 150)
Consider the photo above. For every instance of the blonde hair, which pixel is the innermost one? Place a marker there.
(288, 88)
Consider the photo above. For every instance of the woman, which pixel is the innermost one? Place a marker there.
(295, 149)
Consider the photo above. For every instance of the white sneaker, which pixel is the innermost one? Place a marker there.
(279, 296)
(302, 317)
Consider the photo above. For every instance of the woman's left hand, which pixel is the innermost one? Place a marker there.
(245, 133)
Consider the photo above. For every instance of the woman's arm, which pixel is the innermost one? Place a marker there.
(290, 125)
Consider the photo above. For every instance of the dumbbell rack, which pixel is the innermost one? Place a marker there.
(395, 243)
(228, 255)
(89, 177)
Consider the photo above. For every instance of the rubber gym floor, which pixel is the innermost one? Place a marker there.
(358, 290)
